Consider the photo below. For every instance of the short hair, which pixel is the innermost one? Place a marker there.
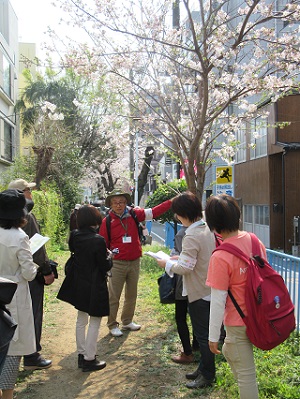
(187, 205)
(9, 223)
(88, 216)
(222, 213)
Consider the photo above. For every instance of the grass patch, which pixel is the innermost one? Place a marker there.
(277, 370)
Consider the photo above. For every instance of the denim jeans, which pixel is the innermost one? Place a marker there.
(199, 313)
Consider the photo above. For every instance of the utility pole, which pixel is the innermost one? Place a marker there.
(135, 121)
(176, 25)
(136, 169)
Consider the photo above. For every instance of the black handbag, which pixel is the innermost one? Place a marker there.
(70, 263)
(166, 288)
(7, 290)
(7, 327)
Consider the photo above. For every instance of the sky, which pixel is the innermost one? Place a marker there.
(33, 18)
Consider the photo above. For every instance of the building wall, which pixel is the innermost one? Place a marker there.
(292, 193)
(27, 54)
(9, 137)
(288, 110)
(273, 180)
(252, 181)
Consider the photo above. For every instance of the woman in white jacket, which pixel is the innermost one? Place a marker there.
(17, 265)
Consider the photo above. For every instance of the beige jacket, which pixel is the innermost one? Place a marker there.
(17, 265)
(197, 246)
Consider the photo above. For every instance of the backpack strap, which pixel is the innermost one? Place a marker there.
(239, 254)
(108, 220)
(138, 225)
(256, 251)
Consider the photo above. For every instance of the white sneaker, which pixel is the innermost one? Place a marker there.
(132, 327)
(116, 332)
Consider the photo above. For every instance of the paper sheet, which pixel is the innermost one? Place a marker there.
(158, 255)
(37, 241)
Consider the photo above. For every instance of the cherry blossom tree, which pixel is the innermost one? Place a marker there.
(192, 77)
(72, 123)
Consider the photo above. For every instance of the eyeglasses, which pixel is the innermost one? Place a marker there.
(120, 203)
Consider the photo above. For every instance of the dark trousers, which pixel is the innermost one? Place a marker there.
(3, 354)
(37, 297)
(199, 312)
(181, 311)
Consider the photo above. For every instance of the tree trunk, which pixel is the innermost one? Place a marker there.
(142, 179)
(44, 155)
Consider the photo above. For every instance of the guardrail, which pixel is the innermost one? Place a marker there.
(288, 267)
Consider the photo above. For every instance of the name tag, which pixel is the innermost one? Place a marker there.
(126, 240)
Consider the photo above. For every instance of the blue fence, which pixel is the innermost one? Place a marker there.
(288, 267)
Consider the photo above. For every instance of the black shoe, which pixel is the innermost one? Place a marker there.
(80, 361)
(38, 363)
(200, 382)
(93, 365)
(194, 375)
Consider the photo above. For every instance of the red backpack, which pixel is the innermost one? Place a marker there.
(270, 312)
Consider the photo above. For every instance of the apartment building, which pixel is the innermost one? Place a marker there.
(266, 175)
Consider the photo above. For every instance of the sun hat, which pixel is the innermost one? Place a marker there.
(12, 204)
(21, 184)
(116, 193)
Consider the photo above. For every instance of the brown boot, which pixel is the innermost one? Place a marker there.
(183, 358)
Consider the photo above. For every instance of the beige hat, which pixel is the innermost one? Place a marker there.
(77, 206)
(21, 184)
(117, 193)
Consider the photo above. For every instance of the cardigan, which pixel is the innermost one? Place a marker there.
(197, 246)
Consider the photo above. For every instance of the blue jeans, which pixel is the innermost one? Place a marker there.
(199, 313)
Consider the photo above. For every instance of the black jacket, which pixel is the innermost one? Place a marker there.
(85, 286)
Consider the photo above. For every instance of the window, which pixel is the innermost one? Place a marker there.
(258, 138)
(6, 76)
(241, 146)
(7, 140)
(262, 215)
(256, 219)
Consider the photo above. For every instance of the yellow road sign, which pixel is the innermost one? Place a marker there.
(224, 174)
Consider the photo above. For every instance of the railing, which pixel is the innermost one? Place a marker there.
(288, 267)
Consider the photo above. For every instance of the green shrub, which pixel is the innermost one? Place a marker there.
(48, 213)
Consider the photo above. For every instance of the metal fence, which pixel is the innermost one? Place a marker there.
(288, 267)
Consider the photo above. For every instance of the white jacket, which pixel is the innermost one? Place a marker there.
(17, 265)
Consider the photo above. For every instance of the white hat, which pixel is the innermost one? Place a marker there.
(21, 184)
(77, 206)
